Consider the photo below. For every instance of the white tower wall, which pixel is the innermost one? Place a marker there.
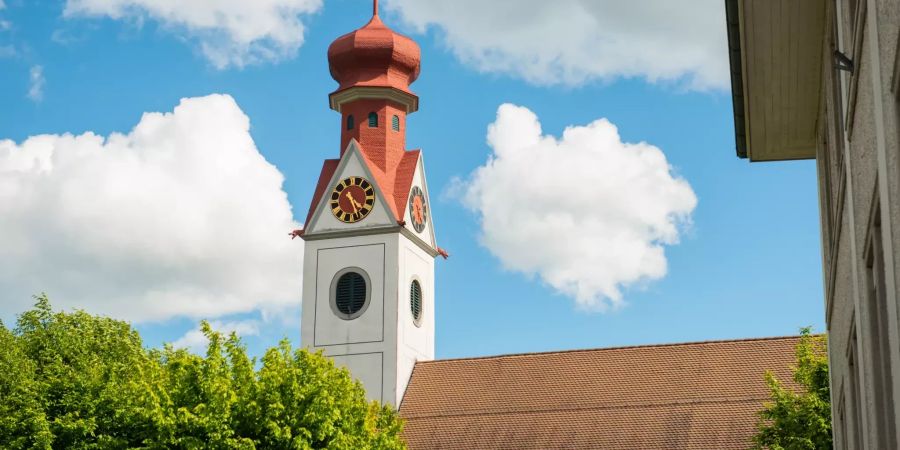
(380, 346)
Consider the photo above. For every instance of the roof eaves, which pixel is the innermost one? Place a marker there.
(732, 18)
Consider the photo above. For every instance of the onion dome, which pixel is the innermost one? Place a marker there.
(374, 56)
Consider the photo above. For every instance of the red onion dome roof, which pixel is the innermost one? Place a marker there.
(374, 55)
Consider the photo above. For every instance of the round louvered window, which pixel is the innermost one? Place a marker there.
(350, 293)
(415, 301)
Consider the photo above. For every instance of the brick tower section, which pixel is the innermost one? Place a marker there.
(382, 144)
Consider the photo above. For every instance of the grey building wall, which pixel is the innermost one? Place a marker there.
(859, 193)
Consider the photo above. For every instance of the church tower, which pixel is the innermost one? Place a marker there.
(368, 268)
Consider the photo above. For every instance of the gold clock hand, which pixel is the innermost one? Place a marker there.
(418, 210)
(352, 202)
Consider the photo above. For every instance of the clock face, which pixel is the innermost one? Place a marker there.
(352, 199)
(418, 209)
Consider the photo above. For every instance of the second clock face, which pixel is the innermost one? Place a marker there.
(418, 209)
(352, 199)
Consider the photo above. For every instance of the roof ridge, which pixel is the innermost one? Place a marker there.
(624, 347)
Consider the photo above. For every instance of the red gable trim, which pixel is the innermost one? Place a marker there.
(328, 168)
(406, 171)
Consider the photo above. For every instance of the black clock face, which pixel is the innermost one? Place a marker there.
(352, 199)
(418, 209)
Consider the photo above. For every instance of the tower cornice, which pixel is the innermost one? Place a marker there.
(389, 229)
(340, 98)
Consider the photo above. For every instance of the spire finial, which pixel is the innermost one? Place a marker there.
(374, 7)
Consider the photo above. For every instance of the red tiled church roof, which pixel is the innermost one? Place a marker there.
(701, 395)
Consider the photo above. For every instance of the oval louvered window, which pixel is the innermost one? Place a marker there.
(395, 123)
(350, 123)
(415, 301)
(350, 294)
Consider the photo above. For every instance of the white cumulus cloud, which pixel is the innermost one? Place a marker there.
(587, 213)
(229, 33)
(195, 341)
(575, 41)
(36, 83)
(182, 216)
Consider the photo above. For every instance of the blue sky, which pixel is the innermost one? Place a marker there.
(746, 264)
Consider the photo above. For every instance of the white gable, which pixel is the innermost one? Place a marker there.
(351, 164)
(427, 235)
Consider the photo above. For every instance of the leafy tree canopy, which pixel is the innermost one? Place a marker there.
(74, 380)
(799, 420)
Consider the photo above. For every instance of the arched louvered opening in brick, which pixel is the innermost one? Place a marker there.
(373, 120)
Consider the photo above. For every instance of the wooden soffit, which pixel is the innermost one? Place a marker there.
(775, 49)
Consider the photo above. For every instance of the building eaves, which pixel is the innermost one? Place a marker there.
(732, 18)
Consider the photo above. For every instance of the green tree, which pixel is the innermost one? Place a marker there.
(799, 419)
(74, 380)
(89, 379)
(23, 423)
